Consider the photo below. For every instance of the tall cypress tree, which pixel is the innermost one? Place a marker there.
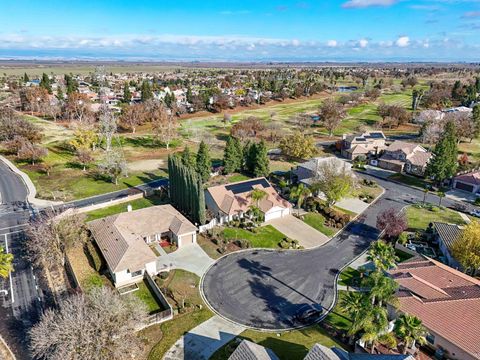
(444, 162)
(262, 163)
(201, 203)
(45, 83)
(203, 164)
(476, 121)
(187, 157)
(146, 91)
(127, 95)
(250, 154)
(26, 78)
(232, 157)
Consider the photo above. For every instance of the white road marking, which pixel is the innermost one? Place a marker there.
(10, 273)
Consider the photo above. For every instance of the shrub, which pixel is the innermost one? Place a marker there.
(403, 238)
(163, 275)
(243, 243)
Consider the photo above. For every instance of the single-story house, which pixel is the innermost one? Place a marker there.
(308, 171)
(230, 201)
(446, 300)
(469, 182)
(370, 142)
(445, 236)
(123, 239)
(406, 157)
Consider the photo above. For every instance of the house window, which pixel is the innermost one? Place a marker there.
(430, 338)
(137, 273)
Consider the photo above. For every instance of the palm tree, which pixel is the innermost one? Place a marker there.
(299, 194)
(258, 195)
(382, 288)
(410, 330)
(6, 263)
(375, 326)
(440, 195)
(382, 255)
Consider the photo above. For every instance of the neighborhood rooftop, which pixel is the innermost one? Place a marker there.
(446, 300)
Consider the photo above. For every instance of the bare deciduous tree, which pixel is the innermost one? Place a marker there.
(99, 325)
(107, 124)
(332, 114)
(163, 123)
(133, 116)
(113, 165)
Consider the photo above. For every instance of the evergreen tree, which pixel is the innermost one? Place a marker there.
(477, 84)
(249, 153)
(444, 162)
(127, 95)
(201, 214)
(60, 94)
(203, 164)
(187, 158)
(476, 121)
(189, 95)
(232, 157)
(25, 78)
(71, 84)
(146, 91)
(262, 164)
(45, 83)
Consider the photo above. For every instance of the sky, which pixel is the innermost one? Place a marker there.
(248, 30)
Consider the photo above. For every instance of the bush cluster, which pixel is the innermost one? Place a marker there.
(333, 218)
(288, 243)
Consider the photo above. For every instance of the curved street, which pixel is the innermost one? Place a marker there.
(264, 289)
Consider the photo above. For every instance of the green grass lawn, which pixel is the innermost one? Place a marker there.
(145, 294)
(317, 221)
(116, 209)
(409, 180)
(349, 277)
(290, 345)
(263, 237)
(419, 218)
(237, 177)
(337, 318)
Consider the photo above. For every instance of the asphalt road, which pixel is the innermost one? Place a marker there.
(20, 307)
(264, 289)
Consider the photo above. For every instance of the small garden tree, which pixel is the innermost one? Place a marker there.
(391, 222)
(466, 249)
(6, 263)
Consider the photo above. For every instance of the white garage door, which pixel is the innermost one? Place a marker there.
(273, 215)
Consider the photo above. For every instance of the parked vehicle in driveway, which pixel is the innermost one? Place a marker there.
(308, 313)
(475, 213)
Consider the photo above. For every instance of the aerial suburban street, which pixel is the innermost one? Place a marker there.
(264, 289)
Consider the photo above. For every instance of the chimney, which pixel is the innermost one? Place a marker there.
(129, 208)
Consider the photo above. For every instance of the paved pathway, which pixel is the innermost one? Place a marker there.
(190, 257)
(296, 229)
(353, 204)
(464, 217)
(202, 341)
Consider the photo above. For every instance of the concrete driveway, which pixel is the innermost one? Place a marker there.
(189, 257)
(296, 229)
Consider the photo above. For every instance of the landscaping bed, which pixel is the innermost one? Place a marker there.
(261, 237)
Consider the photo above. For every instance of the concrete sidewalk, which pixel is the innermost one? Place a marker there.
(202, 341)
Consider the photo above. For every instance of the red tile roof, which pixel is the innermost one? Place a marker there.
(446, 300)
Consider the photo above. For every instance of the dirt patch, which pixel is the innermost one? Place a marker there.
(146, 165)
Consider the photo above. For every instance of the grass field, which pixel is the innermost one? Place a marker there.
(317, 221)
(419, 218)
(145, 294)
(116, 209)
(349, 277)
(264, 237)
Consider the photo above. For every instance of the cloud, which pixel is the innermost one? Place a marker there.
(332, 43)
(237, 12)
(363, 43)
(403, 41)
(471, 14)
(356, 4)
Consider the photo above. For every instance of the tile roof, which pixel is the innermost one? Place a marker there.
(406, 147)
(448, 233)
(321, 352)
(232, 203)
(469, 178)
(446, 300)
(419, 158)
(248, 350)
(120, 237)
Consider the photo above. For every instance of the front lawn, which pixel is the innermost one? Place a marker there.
(337, 318)
(145, 294)
(349, 277)
(262, 237)
(119, 208)
(419, 217)
(317, 221)
(290, 345)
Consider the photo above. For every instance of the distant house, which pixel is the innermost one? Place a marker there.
(445, 236)
(231, 201)
(367, 143)
(123, 239)
(406, 157)
(448, 303)
(469, 182)
(307, 172)
(248, 350)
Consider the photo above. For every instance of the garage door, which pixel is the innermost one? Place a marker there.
(464, 187)
(273, 215)
(186, 240)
